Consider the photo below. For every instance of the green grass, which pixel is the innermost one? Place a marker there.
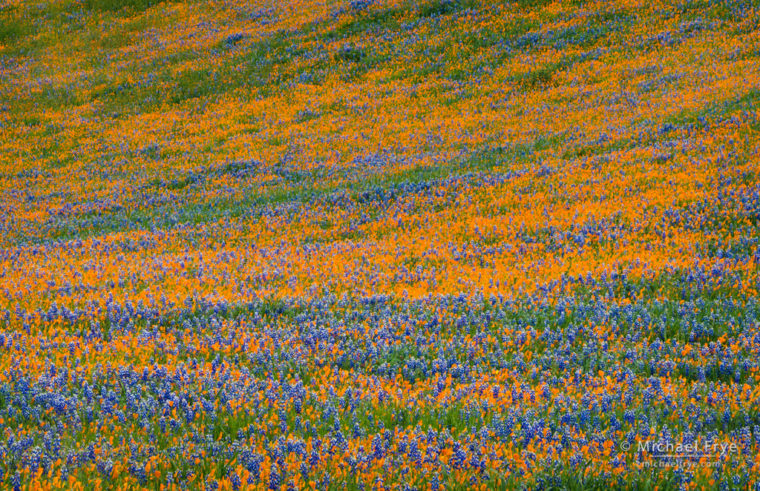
(12, 28)
(716, 111)
(120, 5)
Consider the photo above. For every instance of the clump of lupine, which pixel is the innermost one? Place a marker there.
(379, 245)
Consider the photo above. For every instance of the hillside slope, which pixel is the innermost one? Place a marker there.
(378, 243)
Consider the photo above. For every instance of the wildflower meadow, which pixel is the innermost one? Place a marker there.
(379, 244)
